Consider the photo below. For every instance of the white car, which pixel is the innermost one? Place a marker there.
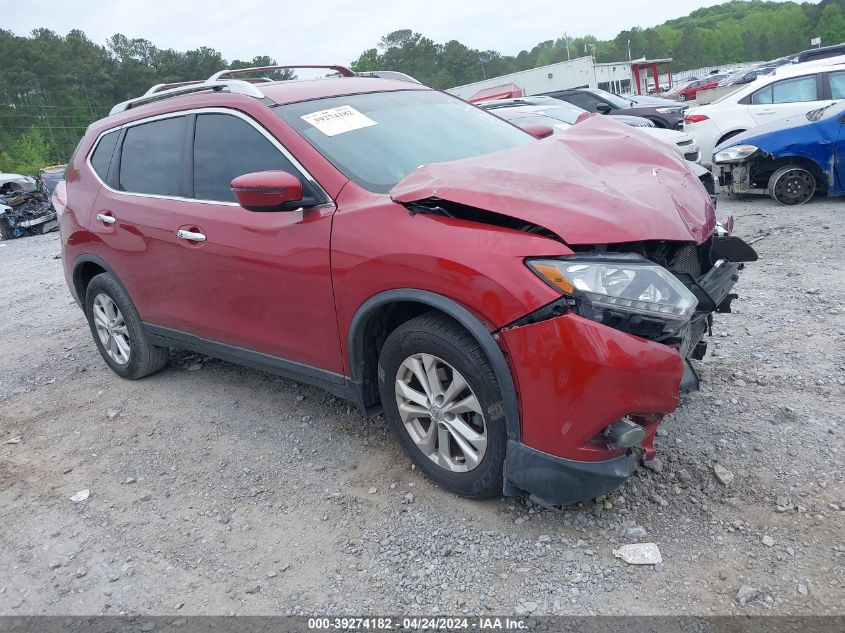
(562, 117)
(769, 98)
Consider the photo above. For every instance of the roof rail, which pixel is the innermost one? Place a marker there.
(156, 93)
(343, 70)
(388, 74)
(175, 84)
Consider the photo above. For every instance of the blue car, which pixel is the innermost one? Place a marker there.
(790, 159)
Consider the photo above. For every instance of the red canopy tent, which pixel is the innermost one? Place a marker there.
(640, 68)
(505, 91)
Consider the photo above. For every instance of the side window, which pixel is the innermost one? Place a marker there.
(226, 147)
(151, 160)
(584, 100)
(837, 85)
(762, 96)
(787, 91)
(101, 157)
(795, 90)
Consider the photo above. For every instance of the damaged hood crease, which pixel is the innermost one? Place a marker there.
(600, 183)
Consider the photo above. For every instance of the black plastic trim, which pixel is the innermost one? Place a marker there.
(337, 384)
(456, 311)
(558, 481)
(77, 269)
(713, 287)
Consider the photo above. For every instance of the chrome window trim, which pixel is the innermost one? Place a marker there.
(210, 110)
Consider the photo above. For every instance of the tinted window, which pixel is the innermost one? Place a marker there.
(151, 160)
(584, 100)
(787, 91)
(837, 85)
(101, 158)
(226, 147)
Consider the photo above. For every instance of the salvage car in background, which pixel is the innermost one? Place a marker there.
(413, 254)
(24, 207)
(50, 177)
(789, 160)
(770, 98)
(562, 117)
(662, 112)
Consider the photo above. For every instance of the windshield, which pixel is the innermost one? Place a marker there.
(616, 100)
(376, 139)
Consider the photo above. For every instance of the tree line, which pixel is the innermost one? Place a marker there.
(53, 86)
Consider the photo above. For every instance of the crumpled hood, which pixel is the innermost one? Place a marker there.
(599, 183)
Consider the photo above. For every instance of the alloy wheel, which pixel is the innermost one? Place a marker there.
(111, 328)
(441, 413)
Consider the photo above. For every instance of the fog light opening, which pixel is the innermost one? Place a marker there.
(624, 433)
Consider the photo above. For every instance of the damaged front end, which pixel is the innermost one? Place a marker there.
(25, 210)
(706, 271)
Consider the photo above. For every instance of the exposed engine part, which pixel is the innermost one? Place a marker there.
(31, 216)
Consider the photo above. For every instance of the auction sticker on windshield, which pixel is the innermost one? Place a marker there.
(338, 120)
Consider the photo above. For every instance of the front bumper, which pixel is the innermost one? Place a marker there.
(559, 481)
(575, 377)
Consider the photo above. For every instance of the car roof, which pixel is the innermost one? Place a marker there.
(275, 93)
(810, 68)
(283, 92)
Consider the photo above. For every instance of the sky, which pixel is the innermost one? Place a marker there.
(336, 32)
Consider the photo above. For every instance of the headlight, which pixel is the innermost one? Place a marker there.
(734, 154)
(668, 110)
(629, 285)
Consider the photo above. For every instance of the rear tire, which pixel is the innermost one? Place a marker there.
(792, 185)
(118, 331)
(452, 422)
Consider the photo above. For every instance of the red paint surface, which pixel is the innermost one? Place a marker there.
(289, 283)
(602, 182)
(575, 377)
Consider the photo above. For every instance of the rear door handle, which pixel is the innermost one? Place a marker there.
(106, 219)
(190, 236)
(766, 112)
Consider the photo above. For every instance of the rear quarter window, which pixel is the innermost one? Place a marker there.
(102, 154)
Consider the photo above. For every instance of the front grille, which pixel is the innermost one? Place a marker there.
(686, 261)
(687, 142)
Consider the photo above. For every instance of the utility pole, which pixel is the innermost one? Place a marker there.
(629, 50)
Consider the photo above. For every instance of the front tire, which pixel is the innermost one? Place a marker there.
(441, 398)
(792, 185)
(118, 331)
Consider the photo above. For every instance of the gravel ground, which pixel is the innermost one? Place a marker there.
(218, 489)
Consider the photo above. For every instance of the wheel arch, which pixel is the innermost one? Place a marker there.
(382, 313)
(728, 135)
(85, 268)
(809, 164)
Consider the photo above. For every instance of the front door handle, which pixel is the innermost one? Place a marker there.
(190, 236)
(106, 219)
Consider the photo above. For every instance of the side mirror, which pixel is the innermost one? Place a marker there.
(266, 190)
(603, 108)
(538, 131)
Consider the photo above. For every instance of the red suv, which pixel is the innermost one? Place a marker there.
(521, 310)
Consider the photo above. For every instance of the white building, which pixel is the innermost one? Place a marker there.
(582, 72)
